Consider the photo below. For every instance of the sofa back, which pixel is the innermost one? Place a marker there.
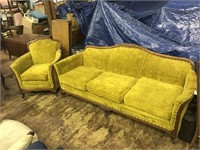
(137, 61)
(121, 59)
(166, 68)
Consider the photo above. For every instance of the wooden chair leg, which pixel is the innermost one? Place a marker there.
(9, 56)
(22, 95)
(3, 82)
(173, 140)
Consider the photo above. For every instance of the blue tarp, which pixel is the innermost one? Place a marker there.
(180, 21)
(167, 27)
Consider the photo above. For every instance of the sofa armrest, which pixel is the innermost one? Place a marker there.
(22, 63)
(69, 63)
(185, 97)
(189, 87)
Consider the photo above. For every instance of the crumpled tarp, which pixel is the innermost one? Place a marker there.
(138, 9)
(174, 29)
(180, 21)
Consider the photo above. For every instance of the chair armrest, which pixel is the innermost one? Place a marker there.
(57, 57)
(69, 63)
(22, 63)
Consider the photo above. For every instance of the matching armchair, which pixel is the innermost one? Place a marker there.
(34, 70)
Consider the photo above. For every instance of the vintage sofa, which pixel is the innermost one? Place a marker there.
(133, 81)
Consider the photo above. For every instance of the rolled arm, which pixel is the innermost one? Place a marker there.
(186, 95)
(22, 63)
(189, 87)
(69, 63)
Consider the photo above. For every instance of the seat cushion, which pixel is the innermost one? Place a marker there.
(152, 96)
(37, 72)
(79, 77)
(111, 86)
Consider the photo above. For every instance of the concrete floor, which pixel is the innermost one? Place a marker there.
(5, 63)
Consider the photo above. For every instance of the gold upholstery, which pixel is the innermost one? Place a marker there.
(79, 77)
(152, 96)
(111, 86)
(34, 70)
(150, 87)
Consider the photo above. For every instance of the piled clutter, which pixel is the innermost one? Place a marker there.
(36, 21)
(22, 13)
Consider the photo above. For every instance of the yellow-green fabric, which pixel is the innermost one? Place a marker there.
(26, 60)
(152, 96)
(124, 109)
(121, 60)
(98, 58)
(186, 95)
(79, 77)
(162, 84)
(18, 68)
(69, 63)
(34, 70)
(43, 50)
(189, 87)
(165, 69)
(36, 85)
(38, 72)
(111, 86)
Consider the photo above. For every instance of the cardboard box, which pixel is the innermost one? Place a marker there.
(31, 27)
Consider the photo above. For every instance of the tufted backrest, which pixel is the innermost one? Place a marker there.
(43, 50)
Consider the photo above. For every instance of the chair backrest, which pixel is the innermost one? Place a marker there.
(43, 50)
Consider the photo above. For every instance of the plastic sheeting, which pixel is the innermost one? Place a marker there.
(83, 11)
(139, 9)
(172, 30)
(180, 21)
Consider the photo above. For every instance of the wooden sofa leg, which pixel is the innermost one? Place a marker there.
(64, 94)
(55, 91)
(107, 112)
(173, 140)
(22, 95)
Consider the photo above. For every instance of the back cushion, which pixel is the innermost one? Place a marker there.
(166, 69)
(43, 50)
(97, 57)
(122, 60)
